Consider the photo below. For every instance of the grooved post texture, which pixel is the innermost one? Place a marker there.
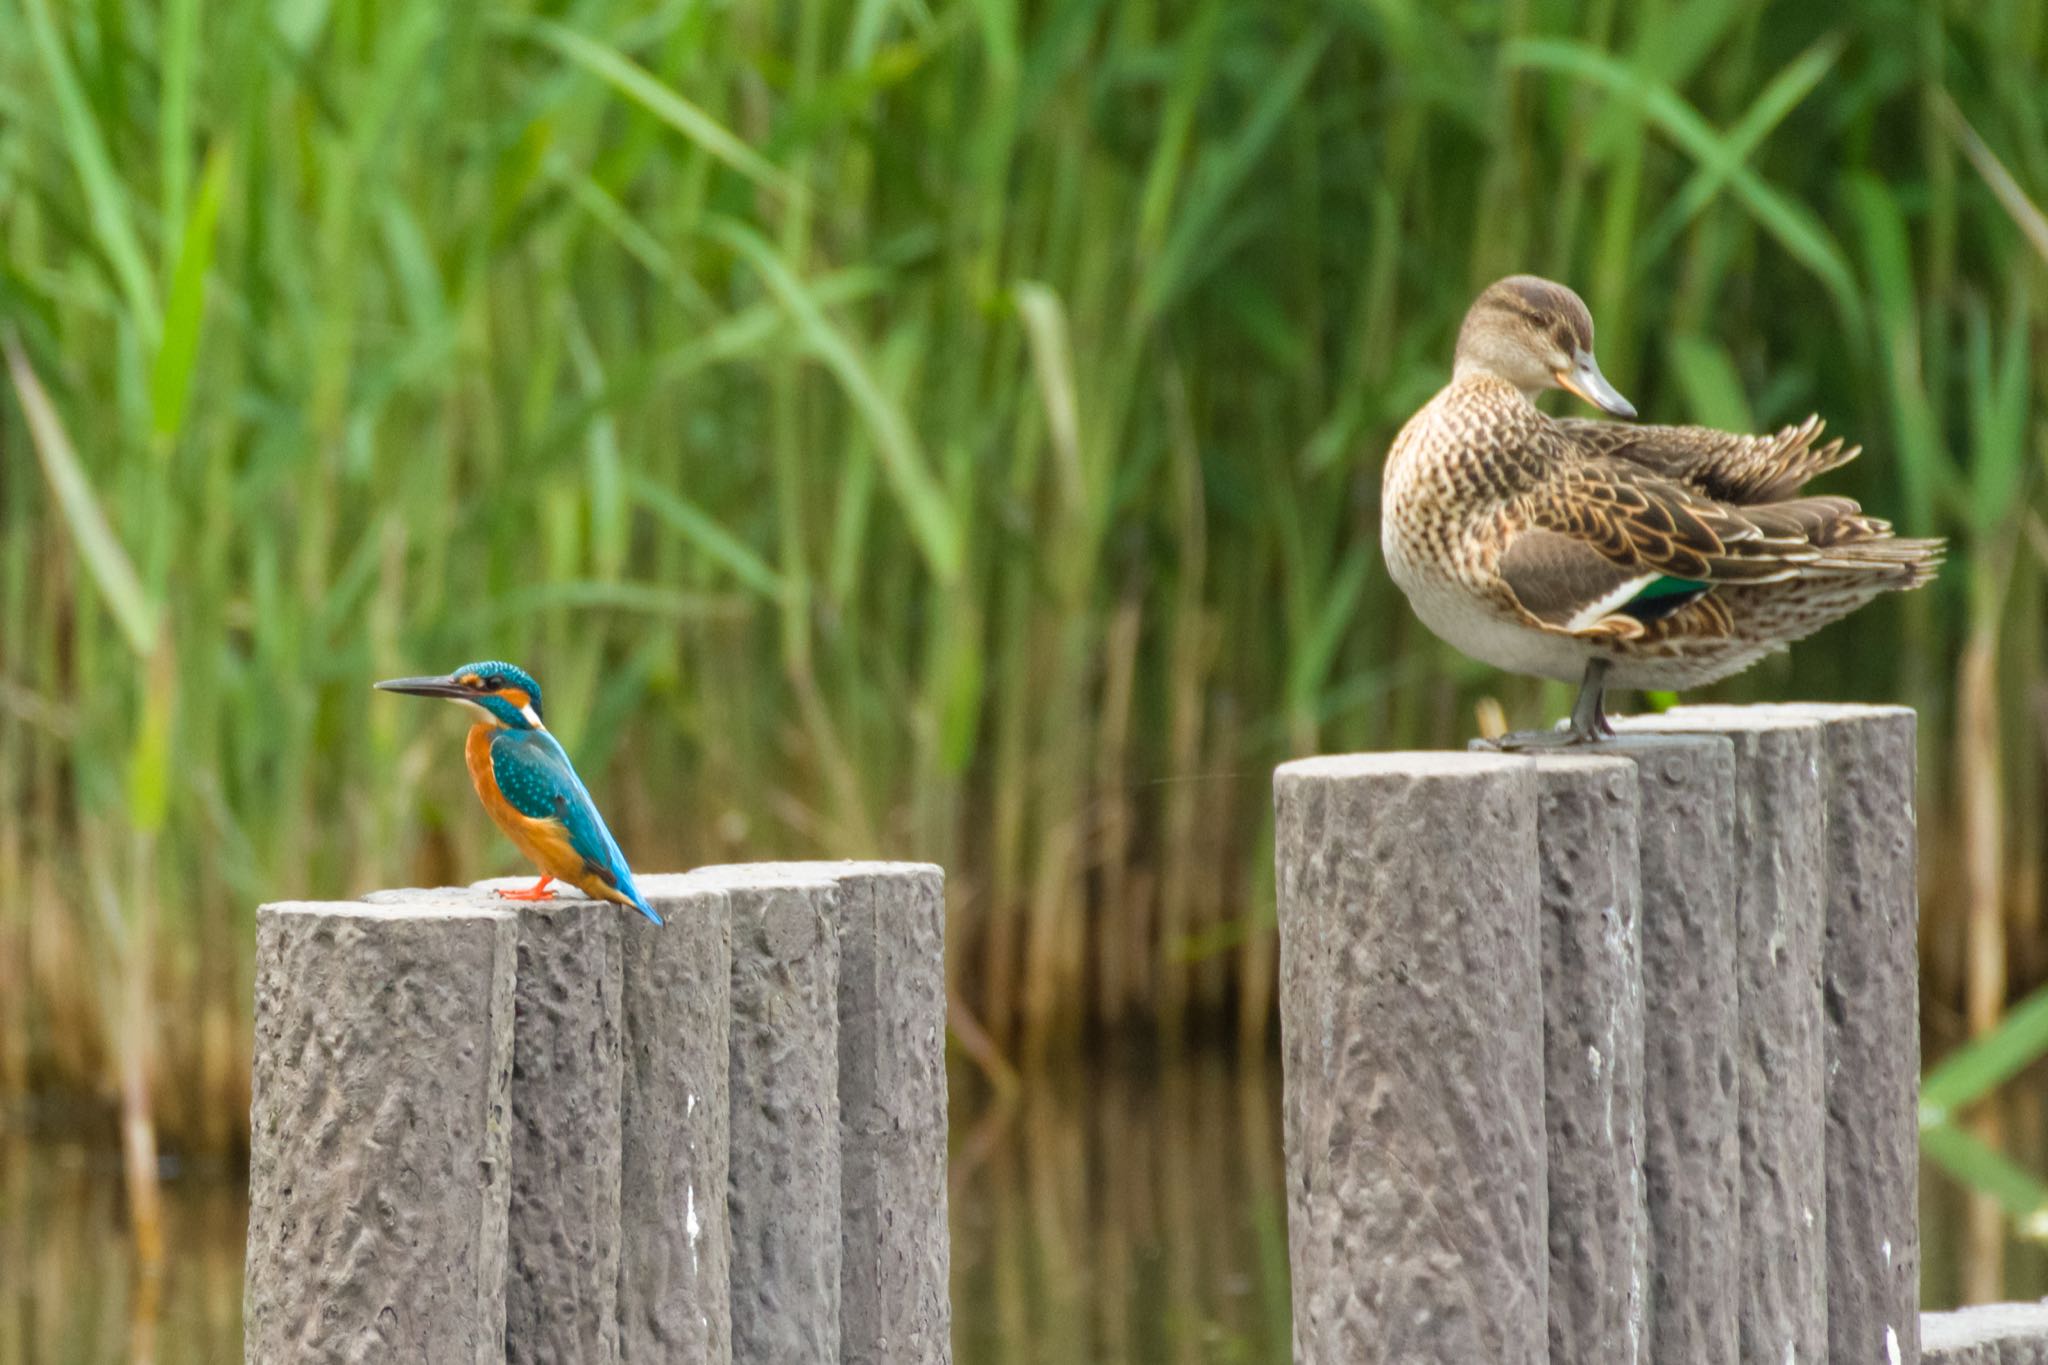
(674, 1109)
(782, 1188)
(1988, 1334)
(1593, 1058)
(1691, 1164)
(1870, 983)
(1780, 913)
(561, 1291)
(1412, 1024)
(380, 1132)
(889, 919)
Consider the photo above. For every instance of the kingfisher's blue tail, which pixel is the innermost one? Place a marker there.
(632, 894)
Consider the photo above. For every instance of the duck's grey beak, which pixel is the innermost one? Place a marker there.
(424, 687)
(1584, 379)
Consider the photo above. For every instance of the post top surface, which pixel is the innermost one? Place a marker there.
(1826, 711)
(1984, 1323)
(699, 880)
(449, 903)
(1591, 762)
(1699, 720)
(1404, 763)
(781, 873)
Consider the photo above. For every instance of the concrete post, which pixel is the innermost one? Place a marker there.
(674, 1111)
(1780, 909)
(561, 1293)
(1691, 1168)
(889, 919)
(1871, 990)
(1988, 1334)
(380, 1132)
(1587, 836)
(1412, 1023)
(783, 1183)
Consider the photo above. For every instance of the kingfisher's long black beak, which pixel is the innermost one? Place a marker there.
(445, 686)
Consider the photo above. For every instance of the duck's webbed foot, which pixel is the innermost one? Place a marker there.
(1588, 723)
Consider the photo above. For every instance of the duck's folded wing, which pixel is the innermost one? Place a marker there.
(1606, 548)
(539, 782)
(1568, 584)
(1648, 523)
(1726, 465)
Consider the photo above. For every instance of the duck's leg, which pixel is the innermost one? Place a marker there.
(1589, 717)
(1589, 712)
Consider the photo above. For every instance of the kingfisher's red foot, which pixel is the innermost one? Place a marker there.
(537, 892)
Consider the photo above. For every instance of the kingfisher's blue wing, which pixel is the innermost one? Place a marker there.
(537, 779)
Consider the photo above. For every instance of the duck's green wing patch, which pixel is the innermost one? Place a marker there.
(1662, 596)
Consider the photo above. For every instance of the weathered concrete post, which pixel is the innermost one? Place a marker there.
(889, 919)
(562, 1284)
(1870, 984)
(1587, 837)
(380, 1132)
(1412, 1023)
(1779, 911)
(674, 1112)
(1691, 1166)
(783, 1182)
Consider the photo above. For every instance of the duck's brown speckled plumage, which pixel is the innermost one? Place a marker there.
(1525, 540)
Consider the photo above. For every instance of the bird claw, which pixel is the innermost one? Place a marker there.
(1526, 741)
(538, 892)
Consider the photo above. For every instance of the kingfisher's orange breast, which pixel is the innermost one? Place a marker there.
(545, 842)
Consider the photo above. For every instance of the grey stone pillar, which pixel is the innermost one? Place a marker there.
(1412, 1023)
(1780, 909)
(1593, 1059)
(783, 1184)
(674, 1109)
(1988, 1334)
(1870, 981)
(380, 1132)
(561, 1294)
(1691, 1165)
(890, 920)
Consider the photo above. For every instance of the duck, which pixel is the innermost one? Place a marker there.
(1614, 554)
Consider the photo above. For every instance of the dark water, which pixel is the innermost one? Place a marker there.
(1121, 1214)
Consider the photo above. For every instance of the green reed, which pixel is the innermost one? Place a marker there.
(938, 430)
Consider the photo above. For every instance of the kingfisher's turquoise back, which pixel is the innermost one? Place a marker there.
(538, 780)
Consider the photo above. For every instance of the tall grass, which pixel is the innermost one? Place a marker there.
(948, 430)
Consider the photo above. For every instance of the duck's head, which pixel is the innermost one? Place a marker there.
(506, 694)
(1537, 335)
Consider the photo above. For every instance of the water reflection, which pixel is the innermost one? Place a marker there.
(1969, 1252)
(1128, 1215)
(1123, 1213)
(69, 1293)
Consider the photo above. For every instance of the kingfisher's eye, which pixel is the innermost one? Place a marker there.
(493, 684)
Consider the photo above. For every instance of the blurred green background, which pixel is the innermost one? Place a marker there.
(931, 429)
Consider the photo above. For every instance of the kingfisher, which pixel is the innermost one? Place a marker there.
(526, 782)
